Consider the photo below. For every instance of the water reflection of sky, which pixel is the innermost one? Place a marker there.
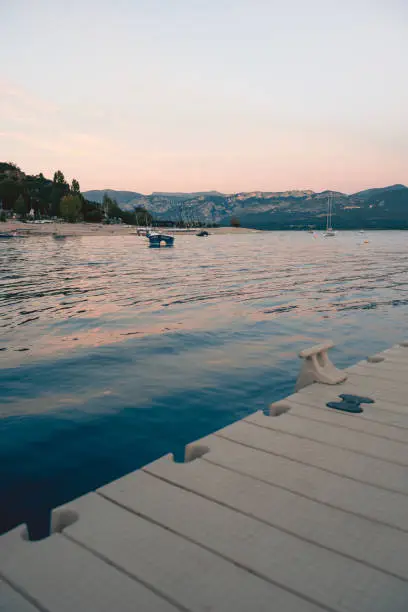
(130, 353)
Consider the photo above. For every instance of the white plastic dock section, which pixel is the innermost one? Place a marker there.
(300, 512)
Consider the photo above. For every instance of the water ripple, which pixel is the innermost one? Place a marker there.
(112, 354)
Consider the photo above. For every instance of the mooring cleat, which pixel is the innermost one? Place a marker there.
(356, 399)
(353, 407)
(317, 367)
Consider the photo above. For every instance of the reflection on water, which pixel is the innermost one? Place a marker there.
(113, 354)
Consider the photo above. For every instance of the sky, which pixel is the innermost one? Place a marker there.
(193, 95)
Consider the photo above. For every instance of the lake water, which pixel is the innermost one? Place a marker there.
(113, 354)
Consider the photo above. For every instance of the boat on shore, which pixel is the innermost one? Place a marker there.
(203, 233)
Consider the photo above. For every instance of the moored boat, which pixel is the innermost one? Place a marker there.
(158, 240)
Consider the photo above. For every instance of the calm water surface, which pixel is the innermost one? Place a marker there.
(113, 354)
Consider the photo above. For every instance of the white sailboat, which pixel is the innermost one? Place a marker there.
(329, 229)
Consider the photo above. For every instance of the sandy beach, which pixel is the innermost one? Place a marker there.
(99, 229)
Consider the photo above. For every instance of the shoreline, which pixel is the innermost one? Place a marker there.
(67, 230)
(99, 229)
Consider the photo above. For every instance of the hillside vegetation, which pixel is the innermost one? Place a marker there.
(34, 195)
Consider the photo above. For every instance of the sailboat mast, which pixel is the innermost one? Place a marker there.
(328, 214)
(330, 211)
(329, 229)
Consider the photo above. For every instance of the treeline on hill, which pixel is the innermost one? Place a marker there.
(25, 194)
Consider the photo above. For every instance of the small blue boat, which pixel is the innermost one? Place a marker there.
(4, 235)
(157, 240)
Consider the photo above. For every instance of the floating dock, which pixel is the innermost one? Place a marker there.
(302, 509)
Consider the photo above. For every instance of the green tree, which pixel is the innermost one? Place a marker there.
(37, 191)
(59, 178)
(4, 166)
(71, 208)
(92, 211)
(60, 188)
(235, 222)
(75, 187)
(9, 192)
(93, 215)
(106, 204)
(142, 216)
(128, 217)
(20, 206)
(32, 188)
(110, 207)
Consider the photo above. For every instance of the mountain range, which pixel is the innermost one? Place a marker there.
(385, 207)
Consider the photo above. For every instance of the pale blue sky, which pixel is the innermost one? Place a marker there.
(234, 95)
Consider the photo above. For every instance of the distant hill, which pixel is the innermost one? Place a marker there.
(96, 195)
(377, 192)
(378, 208)
(385, 207)
(184, 195)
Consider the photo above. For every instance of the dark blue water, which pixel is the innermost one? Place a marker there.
(113, 354)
